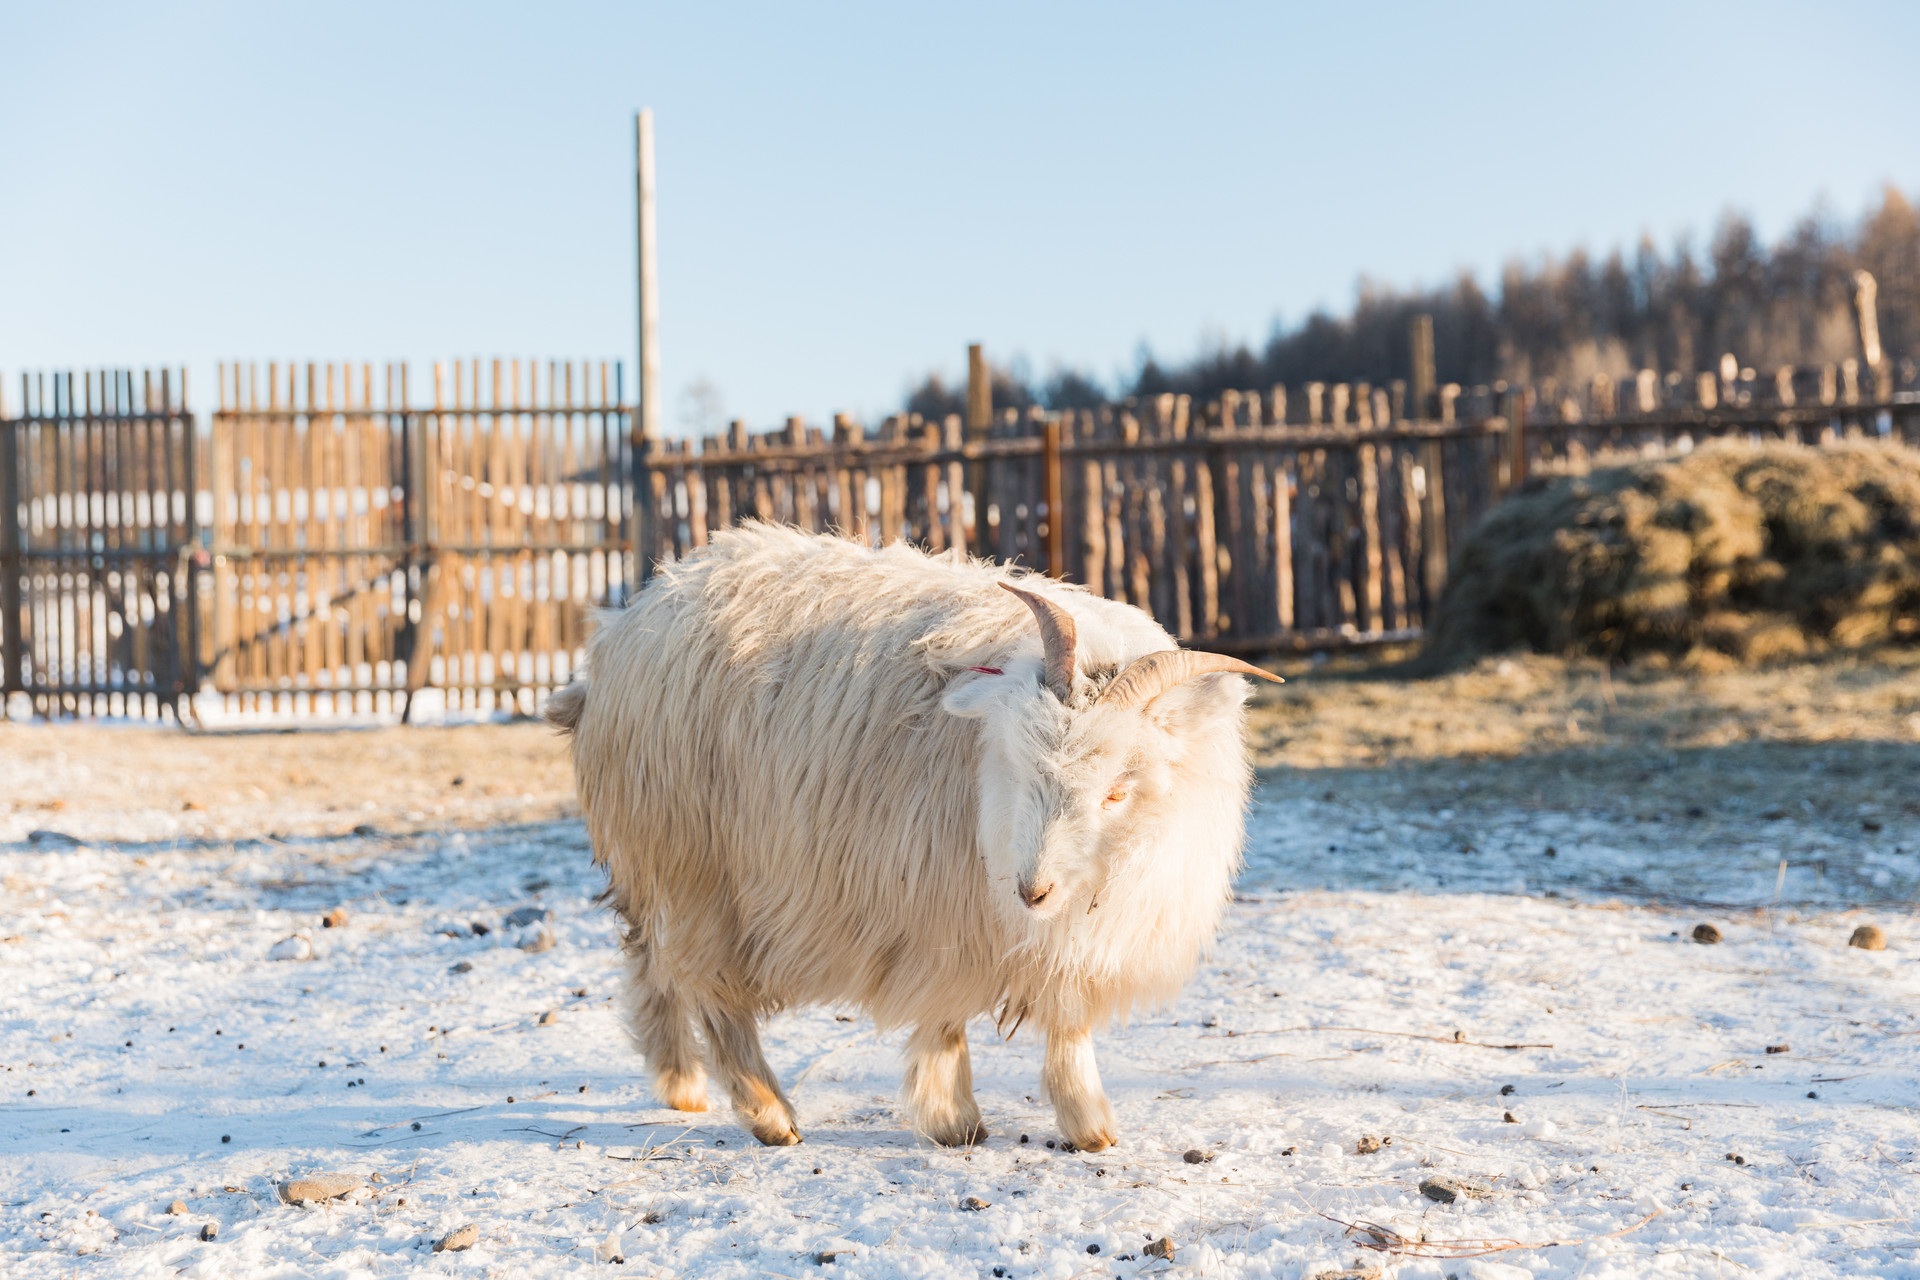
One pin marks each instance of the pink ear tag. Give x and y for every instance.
(988, 671)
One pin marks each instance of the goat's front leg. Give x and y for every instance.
(939, 1087)
(1073, 1083)
(733, 1047)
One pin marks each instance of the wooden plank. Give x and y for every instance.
(1433, 530)
(1206, 550)
(956, 532)
(1282, 497)
(1372, 584)
(1393, 534)
(1055, 499)
(1134, 481)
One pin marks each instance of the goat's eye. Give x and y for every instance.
(1114, 797)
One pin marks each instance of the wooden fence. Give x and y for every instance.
(97, 482)
(336, 539)
(1229, 525)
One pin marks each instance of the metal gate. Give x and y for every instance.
(366, 556)
(97, 518)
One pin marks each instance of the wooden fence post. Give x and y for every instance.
(1516, 436)
(979, 427)
(1866, 295)
(1051, 488)
(646, 415)
(1421, 385)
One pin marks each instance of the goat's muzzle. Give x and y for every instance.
(1033, 896)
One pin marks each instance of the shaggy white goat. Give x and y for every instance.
(817, 773)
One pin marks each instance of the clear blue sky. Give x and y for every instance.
(849, 194)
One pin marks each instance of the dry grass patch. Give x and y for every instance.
(1733, 554)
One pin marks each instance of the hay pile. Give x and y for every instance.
(1733, 554)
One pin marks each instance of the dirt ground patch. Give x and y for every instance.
(1837, 733)
(126, 782)
(1838, 737)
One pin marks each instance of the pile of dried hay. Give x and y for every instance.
(1733, 554)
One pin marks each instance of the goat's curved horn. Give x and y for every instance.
(1057, 633)
(1146, 678)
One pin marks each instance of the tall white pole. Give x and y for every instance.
(646, 417)
(649, 398)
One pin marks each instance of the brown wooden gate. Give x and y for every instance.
(367, 556)
(97, 518)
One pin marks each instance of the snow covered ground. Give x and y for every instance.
(1369, 986)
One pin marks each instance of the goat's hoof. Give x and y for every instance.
(779, 1134)
(1092, 1141)
(684, 1094)
(961, 1135)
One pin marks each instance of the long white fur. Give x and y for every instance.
(802, 794)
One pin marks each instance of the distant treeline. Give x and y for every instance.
(1566, 319)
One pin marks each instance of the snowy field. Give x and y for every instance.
(1369, 989)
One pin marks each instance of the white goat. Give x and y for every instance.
(817, 773)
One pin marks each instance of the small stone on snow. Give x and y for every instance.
(1868, 937)
(461, 1237)
(521, 917)
(318, 1187)
(1161, 1248)
(334, 919)
(177, 1208)
(974, 1204)
(1447, 1190)
(294, 948)
(1706, 934)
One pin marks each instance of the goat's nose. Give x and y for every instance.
(1034, 897)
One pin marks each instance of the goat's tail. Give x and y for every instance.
(564, 709)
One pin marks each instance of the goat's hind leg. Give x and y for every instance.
(939, 1087)
(733, 1050)
(661, 1024)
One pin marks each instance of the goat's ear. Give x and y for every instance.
(973, 691)
(1195, 705)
